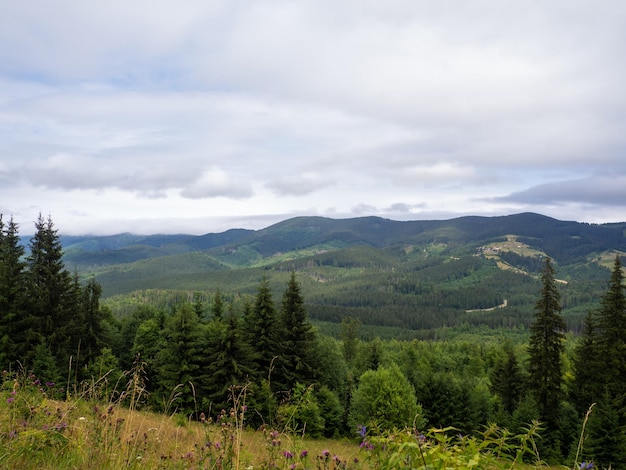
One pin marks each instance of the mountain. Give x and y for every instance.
(407, 274)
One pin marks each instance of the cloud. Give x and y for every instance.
(601, 190)
(215, 182)
(300, 185)
(274, 106)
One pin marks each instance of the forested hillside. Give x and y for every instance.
(418, 275)
(218, 332)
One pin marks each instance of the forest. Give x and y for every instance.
(194, 352)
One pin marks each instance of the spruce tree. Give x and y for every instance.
(547, 333)
(296, 363)
(263, 331)
(93, 335)
(181, 363)
(507, 381)
(217, 307)
(12, 295)
(230, 360)
(611, 334)
(587, 367)
(52, 295)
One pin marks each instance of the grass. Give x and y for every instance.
(41, 430)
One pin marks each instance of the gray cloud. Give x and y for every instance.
(274, 106)
(300, 185)
(595, 190)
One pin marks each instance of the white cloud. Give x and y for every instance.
(405, 107)
(215, 182)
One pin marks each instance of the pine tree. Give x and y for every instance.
(611, 333)
(93, 334)
(605, 443)
(12, 294)
(230, 358)
(507, 381)
(296, 362)
(547, 333)
(181, 363)
(217, 307)
(587, 367)
(263, 331)
(52, 295)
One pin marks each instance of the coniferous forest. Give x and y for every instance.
(194, 353)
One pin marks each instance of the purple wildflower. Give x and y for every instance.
(325, 453)
(586, 466)
(288, 455)
(362, 430)
(304, 454)
(10, 400)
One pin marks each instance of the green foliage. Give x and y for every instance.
(545, 348)
(231, 360)
(301, 413)
(181, 363)
(296, 361)
(605, 439)
(384, 399)
(263, 330)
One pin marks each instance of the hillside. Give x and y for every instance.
(419, 275)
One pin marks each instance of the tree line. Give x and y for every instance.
(197, 356)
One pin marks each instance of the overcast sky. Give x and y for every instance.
(197, 116)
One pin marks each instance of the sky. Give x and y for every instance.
(196, 116)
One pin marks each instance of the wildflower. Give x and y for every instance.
(586, 466)
(362, 430)
(366, 445)
(49, 384)
(325, 453)
(10, 400)
(288, 455)
(304, 454)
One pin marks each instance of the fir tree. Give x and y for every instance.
(547, 333)
(181, 363)
(93, 333)
(507, 381)
(296, 363)
(605, 443)
(217, 307)
(611, 334)
(587, 367)
(263, 330)
(231, 360)
(12, 294)
(52, 295)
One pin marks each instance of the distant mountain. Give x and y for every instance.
(410, 274)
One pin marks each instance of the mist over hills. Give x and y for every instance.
(408, 274)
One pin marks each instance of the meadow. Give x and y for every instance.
(45, 427)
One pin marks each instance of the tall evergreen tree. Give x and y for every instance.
(52, 295)
(12, 294)
(217, 306)
(93, 334)
(263, 330)
(547, 333)
(587, 367)
(296, 363)
(181, 363)
(231, 360)
(507, 381)
(611, 334)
